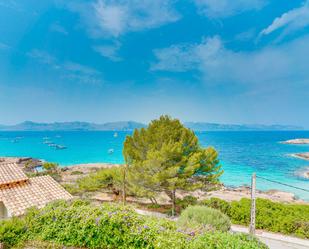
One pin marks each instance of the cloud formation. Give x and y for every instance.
(278, 65)
(56, 27)
(226, 8)
(68, 70)
(117, 17)
(290, 21)
(4, 46)
(109, 51)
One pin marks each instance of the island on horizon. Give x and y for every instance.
(131, 125)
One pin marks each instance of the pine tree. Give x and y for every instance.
(166, 156)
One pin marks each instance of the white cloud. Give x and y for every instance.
(42, 56)
(109, 51)
(56, 27)
(273, 65)
(178, 58)
(68, 70)
(4, 46)
(226, 8)
(290, 21)
(116, 17)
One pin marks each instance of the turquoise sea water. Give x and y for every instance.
(241, 153)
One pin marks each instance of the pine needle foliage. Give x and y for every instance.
(166, 156)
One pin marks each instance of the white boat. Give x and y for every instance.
(60, 147)
(110, 151)
(116, 134)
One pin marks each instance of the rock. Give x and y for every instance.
(297, 141)
(304, 155)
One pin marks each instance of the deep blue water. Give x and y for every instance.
(241, 153)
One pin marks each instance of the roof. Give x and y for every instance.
(37, 192)
(10, 173)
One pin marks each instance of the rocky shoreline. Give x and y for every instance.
(71, 173)
(304, 155)
(297, 141)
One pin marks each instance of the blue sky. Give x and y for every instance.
(240, 61)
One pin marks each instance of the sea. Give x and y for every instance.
(241, 153)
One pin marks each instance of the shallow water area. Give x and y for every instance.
(241, 153)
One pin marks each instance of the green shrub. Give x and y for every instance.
(104, 178)
(186, 201)
(76, 172)
(292, 219)
(78, 224)
(71, 188)
(12, 231)
(226, 240)
(217, 203)
(204, 218)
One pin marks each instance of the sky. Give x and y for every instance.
(240, 61)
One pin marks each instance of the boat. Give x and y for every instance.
(52, 145)
(116, 134)
(60, 147)
(110, 151)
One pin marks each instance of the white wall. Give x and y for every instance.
(3, 211)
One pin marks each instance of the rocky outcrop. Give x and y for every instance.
(297, 141)
(304, 155)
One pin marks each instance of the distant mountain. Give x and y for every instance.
(201, 126)
(73, 126)
(130, 125)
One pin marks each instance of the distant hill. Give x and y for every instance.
(131, 125)
(201, 126)
(73, 126)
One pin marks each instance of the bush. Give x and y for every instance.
(186, 201)
(226, 240)
(104, 178)
(79, 224)
(12, 231)
(109, 179)
(217, 203)
(292, 219)
(76, 172)
(204, 218)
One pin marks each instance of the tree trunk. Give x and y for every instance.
(124, 194)
(173, 203)
(153, 200)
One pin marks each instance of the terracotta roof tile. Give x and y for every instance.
(38, 191)
(11, 173)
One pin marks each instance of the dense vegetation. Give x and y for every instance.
(108, 179)
(290, 219)
(80, 224)
(49, 168)
(167, 157)
(204, 218)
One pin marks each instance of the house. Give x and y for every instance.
(19, 192)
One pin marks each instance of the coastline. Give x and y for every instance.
(304, 156)
(226, 193)
(297, 141)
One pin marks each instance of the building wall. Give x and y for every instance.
(3, 211)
